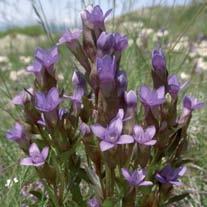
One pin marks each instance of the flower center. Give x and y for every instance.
(37, 158)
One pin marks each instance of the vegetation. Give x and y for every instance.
(180, 22)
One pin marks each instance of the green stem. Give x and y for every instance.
(109, 181)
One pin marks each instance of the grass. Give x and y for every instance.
(179, 21)
(34, 30)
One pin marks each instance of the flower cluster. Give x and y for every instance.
(125, 150)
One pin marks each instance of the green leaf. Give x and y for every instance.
(177, 198)
(108, 203)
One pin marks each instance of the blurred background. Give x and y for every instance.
(178, 26)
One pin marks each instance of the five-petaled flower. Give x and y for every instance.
(16, 133)
(121, 42)
(36, 157)
(152, 98)
(191, 103)
(70, 37)
(47, 102)
(93, 17)
(47, 57)
(144, 137)
(76, 98)
(112, 135)
(135, 178)
(23, 97)
(169, 175)
(79, 85)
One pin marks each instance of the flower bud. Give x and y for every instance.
(106, 72)
(70, 38)
(105, 42)
(131, 98)
(84, 129)
(158, 60)
(93, 17)
(173, 86)
(78, 80)
(122, 82)
(121, 42)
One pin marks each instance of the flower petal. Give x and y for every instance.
(26, 161)
(116, 125)
(98, 130)
(182, 171)
(33, 149)
(177, 183)
(45, 152)
(106, 146)
(125, 139)
(138, 130)
(151, 130)
(146, 183)
(144, 93)
(126, 174)
(107, 13)
(160, 92)
(151, 142)
(38, 164)
(160, 178)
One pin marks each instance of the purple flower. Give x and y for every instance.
(47, 102)
(131, 98)
(36, 157)
(79, 85)
(17, 133)
(158, 60)
(135, 178)
(47, 57)
(84, 129)
(35, 68)
(173, 85)
(150, 97)
(121, 42)
(105, 42)
(122, 82)
(23, 97)
(106, 68)
(111, 136)
(169, 175)
(192, 103)
(94, 17)
(76, 98)
(93, 202)
(189, 104)
(70, 37)
(144, 137)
